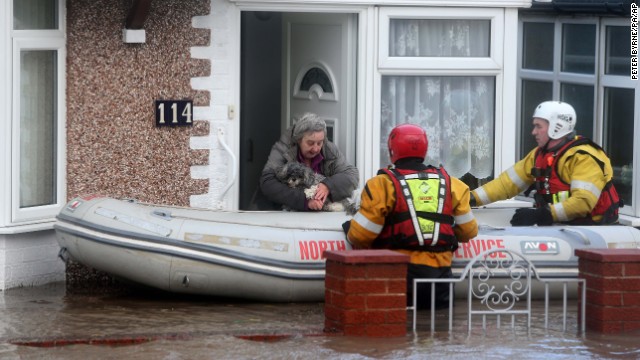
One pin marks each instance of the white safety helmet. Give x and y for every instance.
(560, 115)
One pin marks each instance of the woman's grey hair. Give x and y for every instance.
(308, 123)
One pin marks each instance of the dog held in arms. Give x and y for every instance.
(298, 175)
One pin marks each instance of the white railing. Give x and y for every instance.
(497, 281)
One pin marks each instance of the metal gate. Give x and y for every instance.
(498, 280)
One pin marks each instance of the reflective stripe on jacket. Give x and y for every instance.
(378, 199)
(422, 218)
(585, 168)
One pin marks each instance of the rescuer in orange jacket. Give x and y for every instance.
(417, 210)
(572, 176)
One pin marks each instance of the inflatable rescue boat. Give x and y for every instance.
(271, 255)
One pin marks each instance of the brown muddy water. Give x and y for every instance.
(48, 323)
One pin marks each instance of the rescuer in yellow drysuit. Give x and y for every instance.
(570, 174)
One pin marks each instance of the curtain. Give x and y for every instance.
(38, 106)
(37, 127)
(35, 14)
(457, 112)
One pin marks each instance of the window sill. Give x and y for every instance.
(507, 204)
(629, 220)
(26, 228)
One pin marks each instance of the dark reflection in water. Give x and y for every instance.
(45, 322)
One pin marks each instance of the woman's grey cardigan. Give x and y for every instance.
(341, 177)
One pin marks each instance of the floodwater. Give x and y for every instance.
(47, 323)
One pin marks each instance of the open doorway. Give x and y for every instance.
(292, 63)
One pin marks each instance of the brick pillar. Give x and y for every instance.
(613, 289)
(366, 292)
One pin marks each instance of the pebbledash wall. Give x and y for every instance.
(113, 145)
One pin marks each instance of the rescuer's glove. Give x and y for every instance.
(532, 216)
(345, 226)
(472, 201)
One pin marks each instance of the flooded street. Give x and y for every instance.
(47, 323)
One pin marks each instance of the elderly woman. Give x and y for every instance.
(305, 142)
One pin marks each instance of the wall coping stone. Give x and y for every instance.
(609, 255)
(367, 256)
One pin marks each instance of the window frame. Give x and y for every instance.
(5, 109)
(492, 62)
(599, 81)
(446, 66)
(622, 82)
(50, 39)
(555, 77)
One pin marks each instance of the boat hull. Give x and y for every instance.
(274, 256)
(203, 274)
(238, 254)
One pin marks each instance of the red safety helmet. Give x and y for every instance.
(407, 140)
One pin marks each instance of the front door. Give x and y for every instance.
(319, 73)
(292, 63)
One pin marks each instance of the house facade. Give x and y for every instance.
(178, 102)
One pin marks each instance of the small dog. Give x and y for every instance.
(297, 175)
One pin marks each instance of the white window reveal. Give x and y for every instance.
(38, 121)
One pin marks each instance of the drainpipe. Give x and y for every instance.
(133, 31)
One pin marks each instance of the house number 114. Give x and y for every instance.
(174, 112)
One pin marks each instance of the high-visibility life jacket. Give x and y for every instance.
(553, 189)
(422, 218)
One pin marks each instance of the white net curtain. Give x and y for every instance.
(457, 112)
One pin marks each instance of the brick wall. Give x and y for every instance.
(613, 289)
(365, 293)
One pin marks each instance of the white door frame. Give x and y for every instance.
(365, 64)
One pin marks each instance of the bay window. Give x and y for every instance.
(586, 63)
